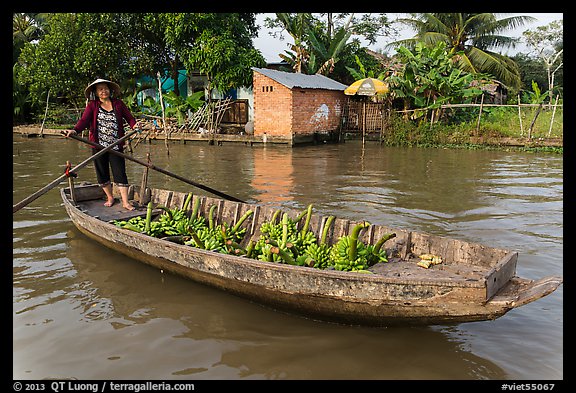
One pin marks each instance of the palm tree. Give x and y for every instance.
(27, 27)
(326, 51)
(476, 35)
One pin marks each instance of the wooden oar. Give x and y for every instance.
(57, 181)
(164, 171)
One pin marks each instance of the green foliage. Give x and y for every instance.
(362, 71)
(178, 106)
(535, 96)
(49, 64)
(325, 52)
(218, 45)
(175, 106)
(330, 47)
(79, 47)
(475, 35)
(430, 78)
(20, 100)
(495, 122)
(532, 69)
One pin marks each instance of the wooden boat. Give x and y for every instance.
(474, 282)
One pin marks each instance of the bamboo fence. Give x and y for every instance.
(369, 117)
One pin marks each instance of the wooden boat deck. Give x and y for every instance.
(96, 208)
(409, 270)
(396, 267)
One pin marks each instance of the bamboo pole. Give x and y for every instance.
(479, 115)
(553, 114)
(448, 106)
(163, 114)
(45, 114)
(520, 117)
(432, 117)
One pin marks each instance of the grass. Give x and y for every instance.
(462, 125)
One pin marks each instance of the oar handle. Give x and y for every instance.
(57, 181)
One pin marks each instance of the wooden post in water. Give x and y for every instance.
(363, 120)
(144, 184)
(70, 181)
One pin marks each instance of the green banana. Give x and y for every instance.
(349, 254)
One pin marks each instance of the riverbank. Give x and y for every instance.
(235, 135)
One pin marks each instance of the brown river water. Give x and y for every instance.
(83, 312)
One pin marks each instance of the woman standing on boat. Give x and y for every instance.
(104, 116)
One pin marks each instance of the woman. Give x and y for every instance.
(104, 116)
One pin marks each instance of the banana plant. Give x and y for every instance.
(535, 96)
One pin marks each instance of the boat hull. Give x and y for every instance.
(329, 295)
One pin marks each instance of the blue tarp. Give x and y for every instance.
(167, 82)
(167, 85)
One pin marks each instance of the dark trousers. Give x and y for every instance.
(108, 161)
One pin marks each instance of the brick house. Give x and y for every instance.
(296, 108)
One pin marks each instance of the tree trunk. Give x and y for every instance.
(175, 76)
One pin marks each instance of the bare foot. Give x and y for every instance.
(109, 203)
(129, 207)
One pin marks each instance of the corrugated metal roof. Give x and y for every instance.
(291, 80)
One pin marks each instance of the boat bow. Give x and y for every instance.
(519, 291)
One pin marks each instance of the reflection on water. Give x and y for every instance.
(273, 176)
(82, 311)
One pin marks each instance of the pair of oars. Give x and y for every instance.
(103, 150)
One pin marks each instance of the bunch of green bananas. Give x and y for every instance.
(280, 240)
(274, 230)
(221, 238)
(318, 252)
(376, 253)
(237, 232)
(319, 255)
(349, 254)
(207, 239)
(135, 224)
(174, 221)
(141, 225)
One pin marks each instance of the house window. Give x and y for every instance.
(266, 89)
